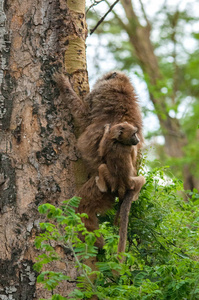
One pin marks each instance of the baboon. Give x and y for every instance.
(115, 149)
(117, 175)
(112, 100)
(117, 172)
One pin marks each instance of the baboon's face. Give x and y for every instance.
(134, 139)
(125, 133)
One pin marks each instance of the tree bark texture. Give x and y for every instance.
(38, 156)
(139, 37)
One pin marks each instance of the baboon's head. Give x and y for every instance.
(125, 133)
(116, 81)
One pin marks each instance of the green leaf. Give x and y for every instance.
(58, 297)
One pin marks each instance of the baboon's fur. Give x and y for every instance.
(112, 100)
(94, 202)
(116, 148)
(117, 172)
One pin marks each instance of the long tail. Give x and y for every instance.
(124, 219)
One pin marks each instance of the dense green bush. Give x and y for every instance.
(161, 258)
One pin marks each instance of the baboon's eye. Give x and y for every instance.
(121, 130)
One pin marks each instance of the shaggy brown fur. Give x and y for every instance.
(116, 149)
(112, 100)
(94, 202)
(117, 172)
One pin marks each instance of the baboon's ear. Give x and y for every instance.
(117, 131)
(113, 75)
(120, 131)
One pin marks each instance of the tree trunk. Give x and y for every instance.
(139, 37)
(38, 157)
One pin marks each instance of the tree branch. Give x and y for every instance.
(122, 24)
(144, 14)
(102, 19)
(94, 4)
(130, 13)
(174, 23)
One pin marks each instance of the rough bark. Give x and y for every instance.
(38, 155)
(139, 37)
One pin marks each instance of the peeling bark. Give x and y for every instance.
(38, 152)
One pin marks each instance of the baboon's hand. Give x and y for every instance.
(62, 81)
(107, 128)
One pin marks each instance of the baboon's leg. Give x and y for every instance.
(137, 184)
(91, 224)
(105, 178)
(100, 180)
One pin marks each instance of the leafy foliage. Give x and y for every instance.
(161, 258)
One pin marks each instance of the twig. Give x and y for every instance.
(94, 4)
(174, 24)
(122, 24)
(145, 16)
(80, 266)
(102, 19)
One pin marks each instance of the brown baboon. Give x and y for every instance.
(112, 100)
(116, 148)
(117, 172)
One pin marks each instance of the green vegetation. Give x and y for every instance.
(162, 254)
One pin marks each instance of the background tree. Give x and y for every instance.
(158, 46)
(38, 158)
